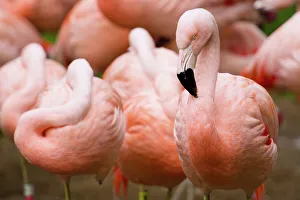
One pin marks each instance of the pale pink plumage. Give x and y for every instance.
(226, 137)
(277, 62)
(15, 33)
(21, 81)
(86, 33)
(46, 15)
(145, 77)
(77, 126)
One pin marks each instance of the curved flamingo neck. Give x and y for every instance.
(143, 45)
(79, 78)
(207, 65)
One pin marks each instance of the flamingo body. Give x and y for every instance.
(15, 33)
(86, 33)
(44, 14)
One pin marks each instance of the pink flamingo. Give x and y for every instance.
(44, 14)
(226, 126)
(15, 33)
(21, 81)
(278, 67)
(86, 33)
(268, 5)
(160, 17)
(144, 77)
(239, 43)
(77, 127)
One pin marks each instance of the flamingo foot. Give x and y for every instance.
(67, 189)
(119, 179)
(143, 194)
(28, 189)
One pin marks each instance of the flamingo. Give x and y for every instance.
(144, 77)
(87, 33)
(160, 17)
(278, 67)
(21, 81)
(226, 126)
(77, 127)
(44, 14)
(239, 43)
(15, 33)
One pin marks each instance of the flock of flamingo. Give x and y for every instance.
(183, 94)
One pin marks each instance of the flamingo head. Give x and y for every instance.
(191, 39)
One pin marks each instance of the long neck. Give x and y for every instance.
(144, 47)
(207, 66)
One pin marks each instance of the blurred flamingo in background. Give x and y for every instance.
(274, 4)
(21, 81)
(144, 77)
(239, 43)
(15, 33)
(44, 14)
(277, 62)
(77, 127)
(160, 18)
(86, 33)
(226, 126)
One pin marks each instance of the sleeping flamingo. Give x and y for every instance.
(278, 67)
(77, 127)
(144, 77)
(226, 126)
(15, 33)
(86, 33)
(44, 14)
(21, 81)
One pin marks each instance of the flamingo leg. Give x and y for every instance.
(169, 194)
(143, 194)
(28, 188)
(190, 191)
(67, 189)
(206, 197)
(179, 190)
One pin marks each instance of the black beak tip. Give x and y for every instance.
(100, 182)
(187, 79)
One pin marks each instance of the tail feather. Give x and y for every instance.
(120, 179)
(259, 192)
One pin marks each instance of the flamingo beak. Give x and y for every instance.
(185, 70)
(268, 14)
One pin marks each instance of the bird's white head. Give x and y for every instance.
(194, 29)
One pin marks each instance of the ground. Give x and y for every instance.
(282, 184)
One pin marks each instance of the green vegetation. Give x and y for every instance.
(282, 16)
(50, 36)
